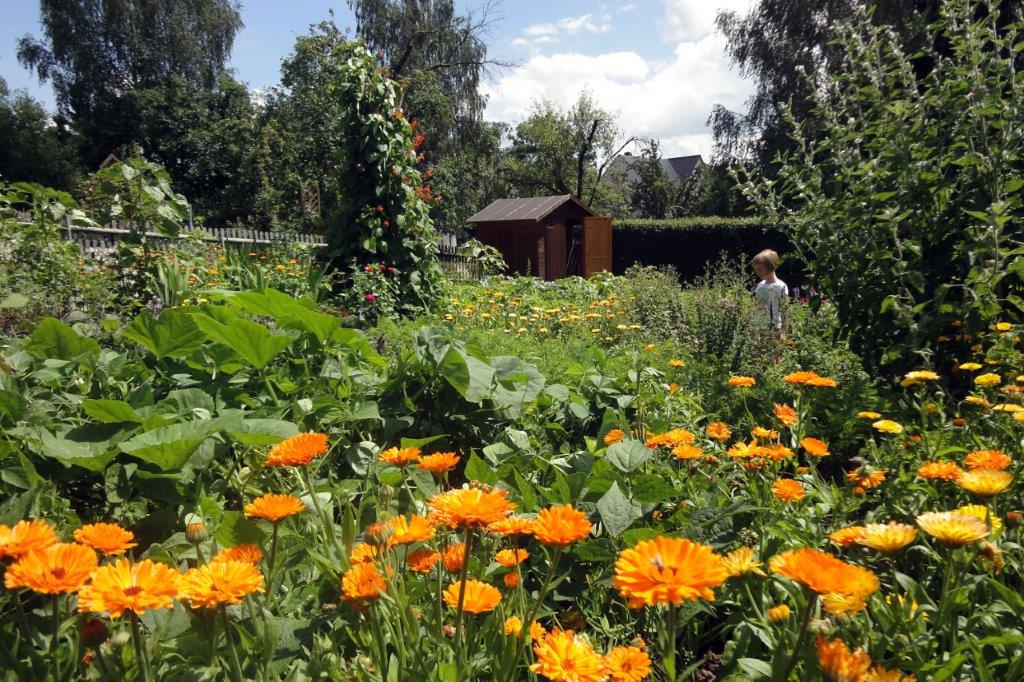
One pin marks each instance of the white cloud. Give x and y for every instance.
(549, 32)
(668, 100)
(694, 19)
(628, 7)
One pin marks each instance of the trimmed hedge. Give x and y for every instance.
(690, 244)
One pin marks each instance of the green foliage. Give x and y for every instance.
(32, 148)
(383, 211)
(137, 192)
(651, 193)
(690, 244)
(904, 199)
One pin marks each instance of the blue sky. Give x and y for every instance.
(658, 63)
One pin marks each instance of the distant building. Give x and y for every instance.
(678, 169)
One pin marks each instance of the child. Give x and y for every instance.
(770, 290)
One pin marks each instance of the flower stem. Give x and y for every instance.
(236, 668)
(525, 634)
(332, 537)
(462, 593)
(54, 661)
(800, 635)
(273, 552)
(669, 652)
(140, 650)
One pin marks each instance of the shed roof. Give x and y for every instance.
(528, 208)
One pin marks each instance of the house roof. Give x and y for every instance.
(527, 208)
(677, 169)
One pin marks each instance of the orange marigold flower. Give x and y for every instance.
(762, 433)
(985, 483)
(274, 507)
(823, 573)
(470, 507)
(479, 597)
(439, 462)
(987, 459)
(865, 478)
(627, 664)
(815, 447)
(422, 560)
(684, 452)
(843, 604)
(362, 582)
(511, 557)
(778, 613)
(799, 377)
(614, 436)
(741, 450)
(844, 537)
(513, 626)
(223, 582)
(105, 538)
(513, 525)
(407, 530)
(250, 554)
(670, 439)
(400, 457)
(668, 571)
(952, 529)
(741, 382)
(940, 469)
(887, 538)
(741, 562)
(454, 556)
(839, 664)
(788, 490)
(126, 586)
(57, 569)
(24, 537)
(561, 525)
(784, 414)
(362, 551)
(299, 450)
(822, 382)
(563, 657)
(719, 431)
(879, 673)
(511, 580)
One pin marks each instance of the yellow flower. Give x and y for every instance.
(918, 376)
(970, 366)
(741, 562)
(981, 511)
(477, 596)
(839, 664)
(778, 613)
(887, 426)
(223, 582)
(564, 657)
(985, 483)
(674, 362)
(887, 538)
(843, 605)
(741, 382)
(952, 529)
(867, 414)
(986, 380)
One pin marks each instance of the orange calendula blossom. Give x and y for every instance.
(273, 507)
(887, 538)
(250, 554)
(221, 583)
(362, 551)
(513, 525)
(422, 560)
(454, 557)
(668, 571)
(400, 457)
(479, 597)
(845, 537)
(788, 490)
(865, 477)
(511, 557)
(952, 529)
(439, 462)
(800, 377)
(105, 538)
(468, 507)
(362, 582)
(778, 613)
(564, 657)
(58, 569)
(985, 483)
(742, 561)
(627, 664)
(839, 664)
(670, 439)
(822, 382)
(784, 414)
(823, 573)
(24, 537)
(126, 586)
(561, 526)
(614, 436)
(299, 450)
(407, 530)
(719, 431)
(741, 382)
(939, 469)
(685, 452)
(814, 446)
(987, 459)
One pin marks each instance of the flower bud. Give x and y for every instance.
(196, 532)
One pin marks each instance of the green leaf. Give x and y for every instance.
(73, 453)
(756, 668)
(14, 301)
(651, 489)
(169, 447)
(110, 411)
(52, 339)
(250, 340)
(616, 511)
(11, 405)
(635, 535)
(235, 530)
(478, 470)
(628, 455)
(261, 432)
(172, 335)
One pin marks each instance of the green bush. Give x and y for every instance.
(690, 244)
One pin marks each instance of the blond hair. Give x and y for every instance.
(768, 259)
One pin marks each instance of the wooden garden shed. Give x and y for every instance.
(547, 237)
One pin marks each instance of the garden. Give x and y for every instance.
(289, 463)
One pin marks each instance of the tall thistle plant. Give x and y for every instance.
(904, 193)
(382, 215)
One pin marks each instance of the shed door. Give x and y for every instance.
(597, 245)
(554, 256)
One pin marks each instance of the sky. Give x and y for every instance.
(659, 64)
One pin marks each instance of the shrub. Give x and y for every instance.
(690, 244)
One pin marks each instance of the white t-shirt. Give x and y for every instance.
(771, 295)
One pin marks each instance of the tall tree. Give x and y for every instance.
(34, 148)
(95, 51)
(651, 193)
